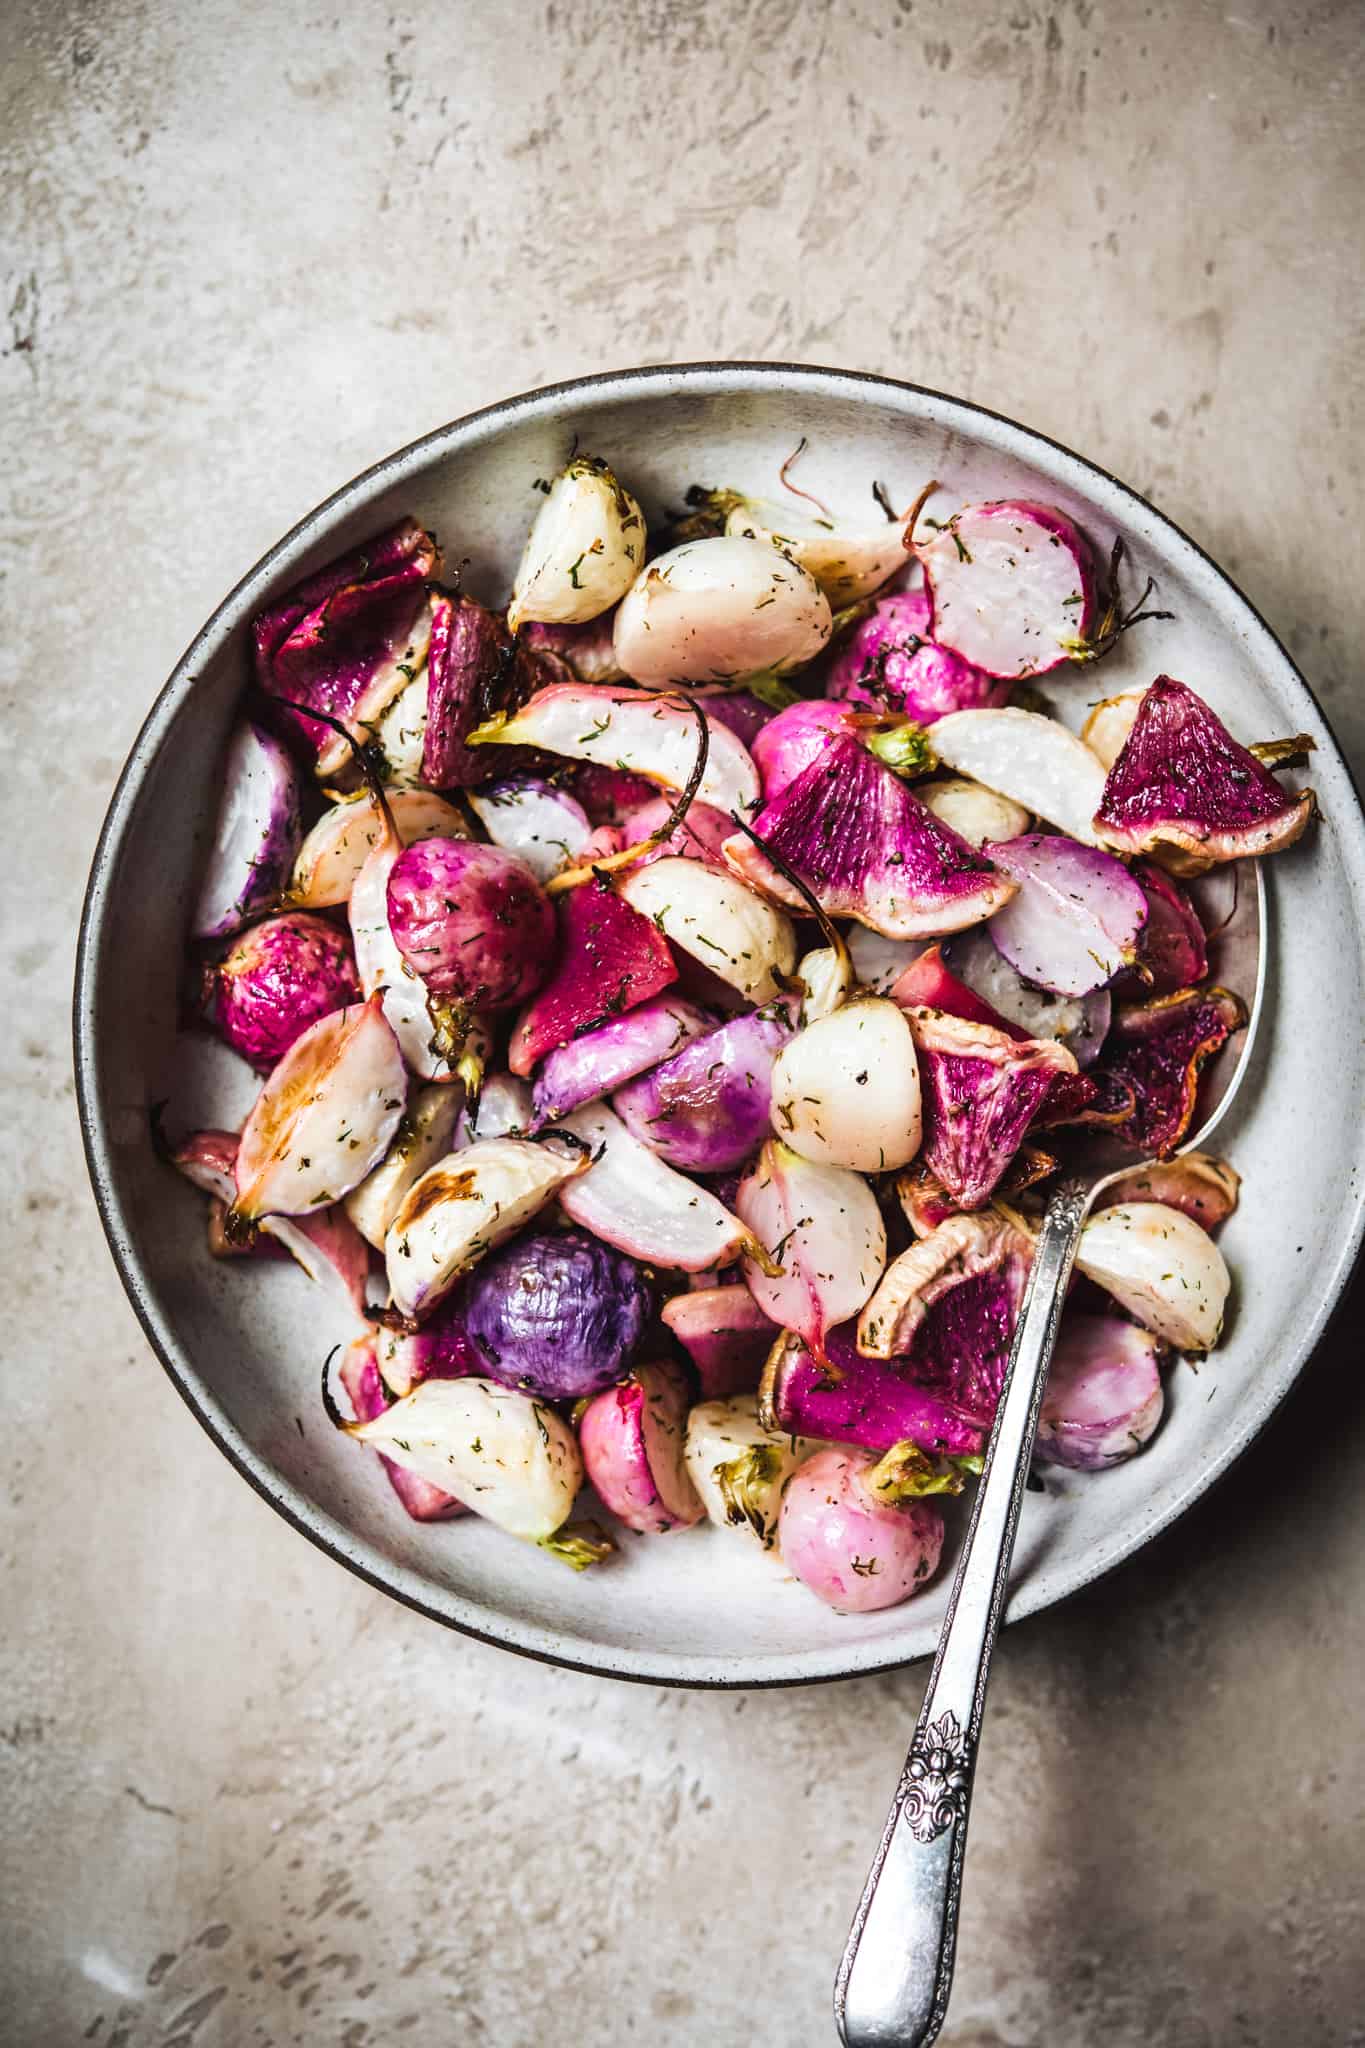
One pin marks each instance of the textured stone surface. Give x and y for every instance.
(249, 248)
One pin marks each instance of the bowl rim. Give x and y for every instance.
(345, 1545)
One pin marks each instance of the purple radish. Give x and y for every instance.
(555, 1313)
(369, 1397)
(725, 1334)
(1012, 586)
(856, 1400)
(981, 1090)
(464, 1205)
(472, 674)
(1156, 1050)
(1182, 781)
(590, 1067)
(868, 849)
(1173, 950)
(851, 1549)
(706, 1109)
(471, 921)
(890, 662)
(1077, 918)
(280, 977)
(609, 959)
(633, 1438)
(797, 736)
(743, 713)
(945, 1311)
(255, 837)
(1103, 1399)
(349, 638)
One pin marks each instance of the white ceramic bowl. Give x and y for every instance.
(244, 1347)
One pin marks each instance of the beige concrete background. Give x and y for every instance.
(247, 249)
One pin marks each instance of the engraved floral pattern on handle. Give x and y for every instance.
(936, 1778)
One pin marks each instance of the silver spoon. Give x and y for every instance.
(897, 1970)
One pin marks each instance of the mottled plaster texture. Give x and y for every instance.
(247, 249)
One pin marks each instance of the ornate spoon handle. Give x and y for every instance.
(893, 1984)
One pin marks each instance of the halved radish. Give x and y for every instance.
(845, 1090)
(1032, 760)
(326, 1115)
(716, 608)
(653, 736)
(822, 1226)
(631, 1199)
(338, 846)
(1013, 586)
(425, 1135)
(584, 550)
(633, 1437)
(848, 559)
(1077, 918)
(460, 1208)
(718, 920)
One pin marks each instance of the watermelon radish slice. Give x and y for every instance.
(610, 959)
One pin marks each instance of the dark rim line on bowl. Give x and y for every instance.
(311, 1521)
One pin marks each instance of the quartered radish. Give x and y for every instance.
(739, 1467)
(845, 1090)
(324, 1244)
(584, 550)
(401, 733)
(385, 973)
(843, 1397)
(511, 1459)
(608, 960)
(631, 1199)
(1109, 724)
(1162, 1267)
(717, 608)
(325, 1116)
(1013, 586)
(632, 1438)
(460, 1208)
(369, 1397)
(821, 1224)
(255, 836)
(1032, 760)
(331, 857)
(880, 962)
(591, 1066)
(959, 1250)
(653, 736)
(425, 1135)
(1077, 918)
(542, 825)
(706, 1108)
(709, 914)
(725, 1334)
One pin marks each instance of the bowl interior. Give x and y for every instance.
(246, 1345)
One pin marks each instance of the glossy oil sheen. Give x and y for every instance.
(245, 1350)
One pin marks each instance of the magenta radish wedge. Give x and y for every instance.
(633, 1438)
(981, 1090)
(848, 1398)
(590, 1067)
(609, 960)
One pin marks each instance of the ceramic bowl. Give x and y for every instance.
(244, 1346)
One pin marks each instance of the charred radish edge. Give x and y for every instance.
(1113, 623)
(611, 863)
(829, 931)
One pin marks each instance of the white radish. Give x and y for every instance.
(975, 813)
(720, 921)
(425, 1135)
(584, 550)
(821, 1224)
(649, 735)
(513, 1460)
(324, 1118)
(848, 561)
(1162, 1267)
(715, 609)
(460, 1208)
(401, 734)
(845, 1090)
(1012, 587)
(338, 846)
(1032, 760)
(1109, 724)
(828, 979)
(629, 1198)
(739, 1468)
(545, 826)
(505, 1110)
